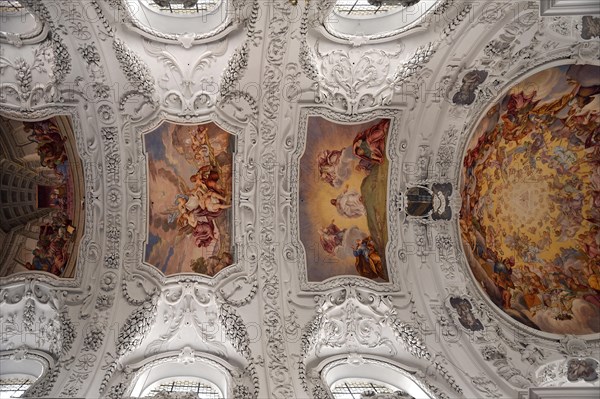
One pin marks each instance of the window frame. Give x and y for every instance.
(383, 27)
(193, 379)
(35, 34)
(373, 368)
(186, 38)
(181, 364)
(12, 366)
(376, 385)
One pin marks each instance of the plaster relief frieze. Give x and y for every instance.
(186, 90)
(276, 361)
(38, 316)
(184, 311)
(360, 79)
(61, 58)
(185, 316)
(486, 386)
(131, 335)
(237, 334)
(229, 88)
(138, 75)
(138, 288)
(447, 255)
(497, 355)
(347, 77)
(105, 30)
(337, 325)
(81, 368)
(354, 80)
(24, 89)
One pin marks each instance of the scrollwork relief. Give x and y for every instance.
(192, 89)
(337, 325)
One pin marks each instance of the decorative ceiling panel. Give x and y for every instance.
(342, 171)
(190, 214)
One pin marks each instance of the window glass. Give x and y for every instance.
(360, 7)
(183, 7)
(204, 389)
(14, 387)
(376, 19)
(354, 389)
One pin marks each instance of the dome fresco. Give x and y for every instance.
(530, 217)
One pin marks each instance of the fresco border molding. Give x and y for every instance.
(394, 151)
(137, 172)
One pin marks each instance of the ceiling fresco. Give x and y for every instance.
(530, 216)
(189, 187)
(343, 194)
(42, 181)
(276, 205)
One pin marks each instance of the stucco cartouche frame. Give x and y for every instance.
(394, 150)
(138, 172)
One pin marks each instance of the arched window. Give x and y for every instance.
(14, 386)
(183, 7)
(18, 26)
(358, 377)
(359, 388)
(375, 20)
(186, 22)
(182, 372)
(204, 389)
(20, 369)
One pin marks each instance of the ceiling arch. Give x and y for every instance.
(256, 79)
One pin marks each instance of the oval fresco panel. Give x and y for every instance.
(531, 201)
(343, 196)
(41, 197)
(189, 189)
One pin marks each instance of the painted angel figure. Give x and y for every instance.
(197, 207)
(331, 237)
(333, 167)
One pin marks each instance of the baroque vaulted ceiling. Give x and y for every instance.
(280, 198)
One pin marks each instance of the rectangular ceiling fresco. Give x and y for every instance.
(41, 196)
(189, 190)
(343, 196)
